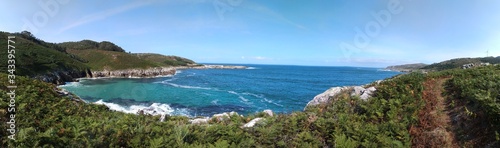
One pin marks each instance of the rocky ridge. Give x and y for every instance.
(363, 92)
(226, 116)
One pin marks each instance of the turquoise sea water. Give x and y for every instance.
(191, 92)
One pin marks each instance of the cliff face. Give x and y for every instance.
(61, 76)
(151, 72)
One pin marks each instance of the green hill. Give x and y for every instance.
(165, 60)
(457, 63)
(37, 57)
(89, 44)
(59, 63)
(112, 60)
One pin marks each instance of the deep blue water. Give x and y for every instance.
(191, 92)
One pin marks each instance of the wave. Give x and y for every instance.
(252, 68)
(239, 96)
(153, 109)
(272, 102)
(167, 82)
(215, 102)
(263, 99)
(384, 70)
(71, 84)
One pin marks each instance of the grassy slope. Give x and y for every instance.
(89, 44)
(164, 60)
(457, 63)
(387, 120)
(112, 60)
(33, 58)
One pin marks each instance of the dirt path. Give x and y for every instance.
(434, 128)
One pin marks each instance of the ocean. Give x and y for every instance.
(204, 92)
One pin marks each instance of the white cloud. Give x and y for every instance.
(269, 12)
(261, 58)
(104, 14)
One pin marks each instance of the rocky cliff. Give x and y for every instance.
(127, 73)
(157, 71)
(61, 76)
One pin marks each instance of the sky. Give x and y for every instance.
(363, 33)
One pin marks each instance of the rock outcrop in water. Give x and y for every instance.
(332, 93)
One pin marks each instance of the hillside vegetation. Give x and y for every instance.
(34, 56)
(89, 44)
(406, 67)
(112, 60)
(457, 63)
(164, 60)
(397, 116)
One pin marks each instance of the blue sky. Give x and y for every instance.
(294, 32)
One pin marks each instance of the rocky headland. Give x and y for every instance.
(407, 67)
(128, 73)
(62, 76)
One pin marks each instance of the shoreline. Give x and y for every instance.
(154, 72)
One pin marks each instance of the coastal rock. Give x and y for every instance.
(62, 76)
(233, 113)
(199, 120)
(252, 123)
(151, 72)
(332, 93)
(65, 93)
(367, 93)
(268, 112)
(221, 117)
(325, 96)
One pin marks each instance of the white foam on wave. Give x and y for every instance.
(252, 68)
(167, 82)
(239, 96)
(263, 99)
(71, 84)
(153, 109)
(215, 102)
(255, 95)
(272, 102)
(384, 70)
(187, 86)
